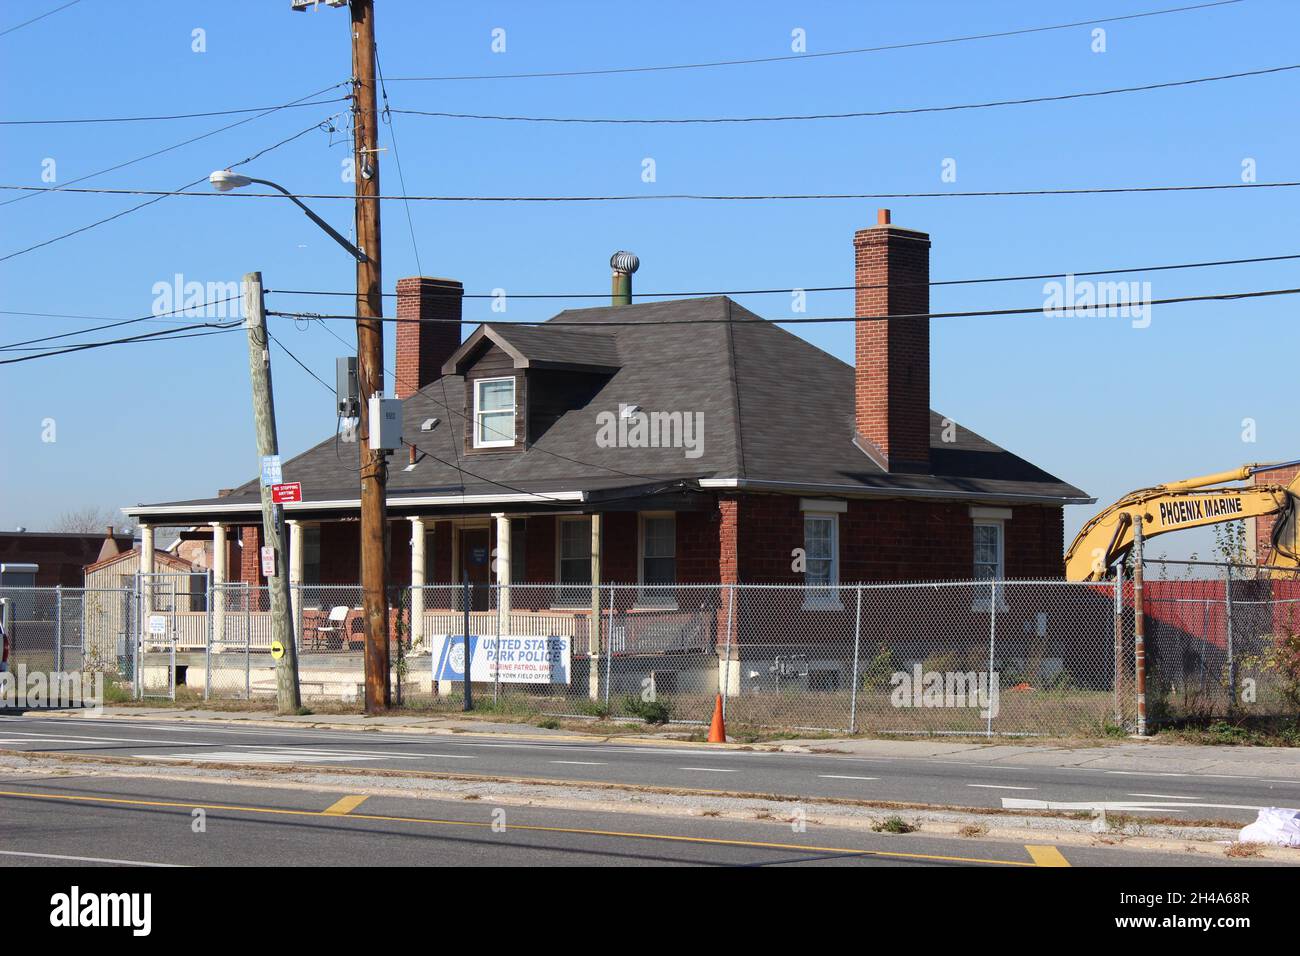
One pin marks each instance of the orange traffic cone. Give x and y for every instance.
(718, 728)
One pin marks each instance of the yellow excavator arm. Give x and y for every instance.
(1192, 503)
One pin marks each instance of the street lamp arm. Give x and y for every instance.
(333, 233)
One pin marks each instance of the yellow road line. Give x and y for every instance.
(583, 831)
(345, 805)
(1047, 856)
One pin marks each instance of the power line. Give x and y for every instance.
(48, 13)
(184, 142)
(158, 197)
(433, 293)
(660, 197)
(151, 317)
(299, 361)
(859, 114)
(296, 104)
(162, 335)
(806, 320)
(387, 117)
(810, 56)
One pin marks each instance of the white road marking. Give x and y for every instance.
(1165, 796)
(1015, 803)
(581, 763)
(994, 786)
(843, 776)
(707, 769)
(1145, 773)
(84, 859)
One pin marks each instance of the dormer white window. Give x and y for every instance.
(494, 412)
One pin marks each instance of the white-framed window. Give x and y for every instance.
(573, 561)
(989, 560)
(494, 412)
(658, 558)
(821, 545)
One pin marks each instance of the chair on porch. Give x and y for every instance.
(329, 633)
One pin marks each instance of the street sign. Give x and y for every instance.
(277, 650)
(286, 492)
(268, 562)
(271, 473)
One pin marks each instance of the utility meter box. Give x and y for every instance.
(385, 423)
(345, 387)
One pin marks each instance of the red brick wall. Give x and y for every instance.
(702, 555)
(895, 540)
(750, 539)
(892, 358)
(250, 556)
(423, 346)
(1264, 524)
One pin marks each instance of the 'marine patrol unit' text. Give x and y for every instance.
(1197, 509)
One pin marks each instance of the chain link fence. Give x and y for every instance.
(973, 657)
(1221, 640)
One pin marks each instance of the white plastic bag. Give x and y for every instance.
(1276, 826)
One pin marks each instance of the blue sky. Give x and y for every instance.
(1098, 402)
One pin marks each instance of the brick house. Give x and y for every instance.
(669, 442)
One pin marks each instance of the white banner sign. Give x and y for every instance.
(523, 659)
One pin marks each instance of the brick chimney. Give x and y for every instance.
(423, 346)
(892, 357)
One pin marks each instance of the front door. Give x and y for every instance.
(476, 559)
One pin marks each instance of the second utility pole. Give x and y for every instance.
(370, 354)
(287, 694)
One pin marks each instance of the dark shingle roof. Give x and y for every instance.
(775, 409)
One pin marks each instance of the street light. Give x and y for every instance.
(223, 181)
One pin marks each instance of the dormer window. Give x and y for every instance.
(494, 412)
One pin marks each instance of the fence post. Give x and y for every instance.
(250, 593)
(1117, 679)
(58, 628)
(993, 627)
(207, 649)
(1232, 658)
(609, 644)
(857, 641)
(726, 649)
(502, 611)
(137, 639)
(1139, 629)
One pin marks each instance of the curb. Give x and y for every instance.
(431, 731)
(594, 796)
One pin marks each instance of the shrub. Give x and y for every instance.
(651, 711)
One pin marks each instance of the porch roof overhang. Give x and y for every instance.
(896, 489)
(673, 494)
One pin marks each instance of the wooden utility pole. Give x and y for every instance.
(370, 354)
(288, 696)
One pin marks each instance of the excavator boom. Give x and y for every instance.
(1191, 503)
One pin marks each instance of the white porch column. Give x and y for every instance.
(146, 564)
(418, 531)
(220, 575)
(593, 639)
(504, 574)
(295, 579)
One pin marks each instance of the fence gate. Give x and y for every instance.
(156, 601)
(69, 630)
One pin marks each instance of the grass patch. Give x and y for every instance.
(1236, 732)
(972, 830)
(895, 824)
(1243, 850)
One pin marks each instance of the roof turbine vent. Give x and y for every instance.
(625, 262)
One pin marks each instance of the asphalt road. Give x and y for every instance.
(930, 780)
(103, 821)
